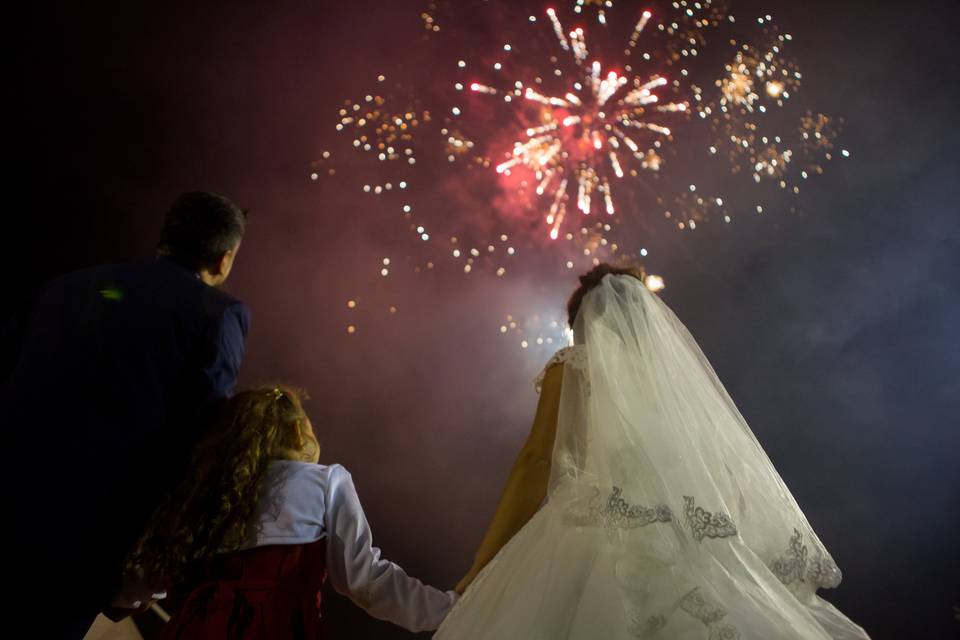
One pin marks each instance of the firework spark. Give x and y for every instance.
(608, 124)
(757, 82)
(600, 5)
(380, 130)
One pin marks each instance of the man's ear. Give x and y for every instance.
(223, 263)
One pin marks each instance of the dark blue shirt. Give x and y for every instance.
(119, 371)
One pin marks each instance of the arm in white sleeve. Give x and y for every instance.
(357, 571)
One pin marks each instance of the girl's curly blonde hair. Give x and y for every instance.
(212, 510)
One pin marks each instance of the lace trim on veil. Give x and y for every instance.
(698, 606)
(615, 513)
(795, 565)
(705, 524)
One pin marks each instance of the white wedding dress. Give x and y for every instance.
(664, 517)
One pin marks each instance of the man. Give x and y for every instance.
(118, 369)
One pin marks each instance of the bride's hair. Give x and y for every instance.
(212, 509)
(591, 279)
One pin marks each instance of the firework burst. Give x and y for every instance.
(608, 124)
(747, 120)
(675, 111)
(659, 128)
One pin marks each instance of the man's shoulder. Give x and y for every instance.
(148, 273)
(150, 285)
(154, 283)
(186, 289)
(79, 277)
(217, 302)
(166, 275)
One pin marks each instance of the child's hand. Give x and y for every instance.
(465, 582)
(116, 614)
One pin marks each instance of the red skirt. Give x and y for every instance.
(267, 592)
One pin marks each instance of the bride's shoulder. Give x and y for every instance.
(574, 355)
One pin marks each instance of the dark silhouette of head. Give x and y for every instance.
(202, 231)
(591, 279)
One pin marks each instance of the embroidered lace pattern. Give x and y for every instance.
(575, 356)
(705, 524)
(645, 627)
(615, 513)
(796, 565)
(710, 614)
(696, 605)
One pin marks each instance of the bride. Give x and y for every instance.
(641, 505)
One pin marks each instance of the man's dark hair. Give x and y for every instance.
(200, 227)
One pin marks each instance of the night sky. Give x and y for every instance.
(835, 331)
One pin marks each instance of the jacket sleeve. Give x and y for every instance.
(358, 571)
(228, 335)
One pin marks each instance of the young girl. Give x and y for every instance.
(258, 525)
